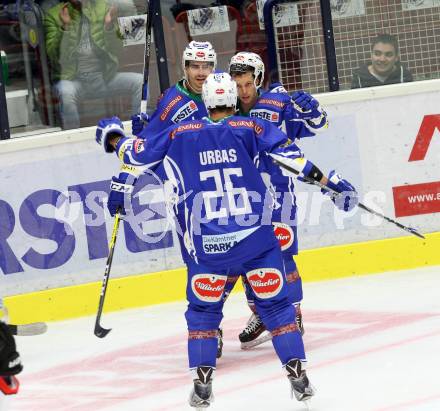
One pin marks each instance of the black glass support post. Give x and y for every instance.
(159, 42)
(329, 44)
(4, 121)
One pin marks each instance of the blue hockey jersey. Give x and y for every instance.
(225, 214)
(176, 104)
(275, 106)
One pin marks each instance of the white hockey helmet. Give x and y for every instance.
(199, 51)
(219, 90)
(246, 61)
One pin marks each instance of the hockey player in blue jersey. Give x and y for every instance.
(299, 116)
(211, 164)
(183, 101)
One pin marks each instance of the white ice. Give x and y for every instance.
(373, 344)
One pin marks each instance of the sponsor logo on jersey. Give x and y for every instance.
(126, 168)
(139, 146)
(170, 105)
(222, 243)
(241, 123)
(219, 248)
(265, 282)
(284, 234)
(271, 102)
(208, 287)
(268, 115)
(184, 112)
(185, 127)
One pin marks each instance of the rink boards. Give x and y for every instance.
(54, 229)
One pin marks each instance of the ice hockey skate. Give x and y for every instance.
(201, 395)
(252, 336)
(299, 383)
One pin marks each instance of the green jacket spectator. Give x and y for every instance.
(82, 42)
(62, 42)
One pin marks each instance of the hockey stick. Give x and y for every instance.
(22, 329)
(28, 329)
(100, 331)
(147, 54)
(335, 194)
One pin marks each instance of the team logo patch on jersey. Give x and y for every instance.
(139, 146)
(170, 105)
(284, 234)
(184, 112)
(268, 115)
(265, 282)
(208, 287)
(279, 89)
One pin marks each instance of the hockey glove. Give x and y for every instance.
(307, 108)
(10, 361)
(304, 102)
(119, 199)
(349, 197)
(138, 122)
(107, 127)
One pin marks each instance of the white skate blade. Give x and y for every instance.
(258, 341)
(28, 329)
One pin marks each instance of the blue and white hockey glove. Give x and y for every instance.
(119, 198)
(106, 128)
(303, 101)
(138, 122)
(307, 108)
(349, 197)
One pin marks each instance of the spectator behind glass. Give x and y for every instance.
(82, 44)
(384, 68)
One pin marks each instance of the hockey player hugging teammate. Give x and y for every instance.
(211, 165)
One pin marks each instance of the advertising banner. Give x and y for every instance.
(389, 149)
(54, 230)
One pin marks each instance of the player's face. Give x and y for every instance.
(383, 58)
(196, 74)
(247, 92)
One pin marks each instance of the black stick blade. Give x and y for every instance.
(415, 232)
(101, 332)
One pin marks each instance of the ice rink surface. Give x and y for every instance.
(373, 344)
